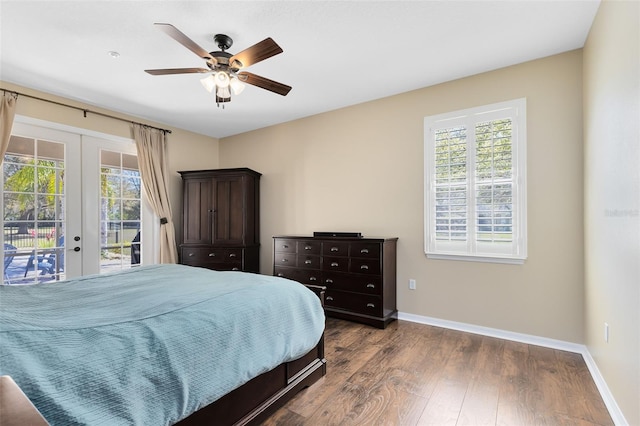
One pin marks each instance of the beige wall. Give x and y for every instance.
(361, 169)
(186, 150)
(612, 199)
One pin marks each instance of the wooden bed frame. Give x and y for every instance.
(256, 400)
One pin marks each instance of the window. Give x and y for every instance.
(475, 186)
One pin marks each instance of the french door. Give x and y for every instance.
(72, 205)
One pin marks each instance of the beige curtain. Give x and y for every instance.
(152, 160)
(7, 112)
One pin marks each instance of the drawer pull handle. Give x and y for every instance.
(329, 298)
(364, 251)
(313, 279)
(370, 305)
(280, 274)
(371, 285)
(307, 247)
(285, 260)
(232, 255)
(365, 267)
(235, 269)
(210, 255)
(284, 246)
(334, 264)
(191, 254)
(328, 281)
(334, 249)
(307, 262)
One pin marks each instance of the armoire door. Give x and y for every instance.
(229, 210)
(198, 214)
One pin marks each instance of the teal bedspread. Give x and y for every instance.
(150, 345)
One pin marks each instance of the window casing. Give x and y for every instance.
(475, 183)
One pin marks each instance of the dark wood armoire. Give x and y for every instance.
(221, 220)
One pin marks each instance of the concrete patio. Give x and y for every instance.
(15, 272)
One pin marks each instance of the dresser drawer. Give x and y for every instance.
(309, 247)
(335, 248)
(365, 266)
(284, 246)
(223, 266)
(301, 275)
(353, 302)
(284, 259)
(339, 264)
(200, 255)
(357, 284)
(308, 261)
(288, 273)
(365, 250)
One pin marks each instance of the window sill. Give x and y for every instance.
(482, 259)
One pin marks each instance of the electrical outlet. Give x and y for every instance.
(606, 332)
(412, 284)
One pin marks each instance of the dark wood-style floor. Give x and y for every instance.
(415, 374)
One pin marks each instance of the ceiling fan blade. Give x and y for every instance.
(256, 53)
(181, 38)
(264, 83)
(166, 71)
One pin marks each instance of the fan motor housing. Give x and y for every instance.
(222, 61)
(223, 41)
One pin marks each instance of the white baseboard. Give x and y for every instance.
(607, 397)
(494, 332)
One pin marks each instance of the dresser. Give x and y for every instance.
(359, 273)
(220, 219)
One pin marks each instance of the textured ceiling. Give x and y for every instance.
(336, 53)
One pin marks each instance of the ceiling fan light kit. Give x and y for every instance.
(236, 86)
(224, 68)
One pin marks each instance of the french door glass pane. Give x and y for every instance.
(33, 211)
(120, 216)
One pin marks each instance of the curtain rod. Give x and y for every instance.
(84, 110)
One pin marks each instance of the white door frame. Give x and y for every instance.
(82, 166)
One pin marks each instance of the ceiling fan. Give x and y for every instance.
(224, 68)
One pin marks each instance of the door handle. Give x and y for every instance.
(76, 249)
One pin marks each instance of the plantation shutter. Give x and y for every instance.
(493, 184)
(451, 187)
(474, 203)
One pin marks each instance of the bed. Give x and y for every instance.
(161, 345)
